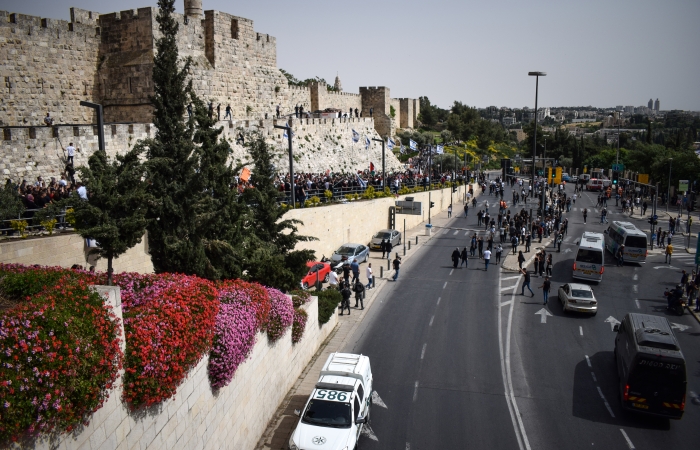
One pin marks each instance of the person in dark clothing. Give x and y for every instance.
(296, 111)
(355, 267)
(346, 272)
(383, 247)
(455, 258)
(521, 259)
(211, 109)
(388, 249)
(480, 244)
(218, 112)
(397, 266)
(371, 112)
(189, 111)
(546, 286)
(357, 113)
(464, 257)
(359, 294)
(345, 303)
(526, 282)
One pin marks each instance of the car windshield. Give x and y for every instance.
(382, 235)
(589, 256)
(328, 414)
(580, 293)
(346, 250)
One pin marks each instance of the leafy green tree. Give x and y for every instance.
(115, 213)
(10, 203)
(270, 255)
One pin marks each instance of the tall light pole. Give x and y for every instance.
(537, 76)
(544, 154)
(668, 195)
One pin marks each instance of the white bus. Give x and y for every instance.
(634, 240)
(590, 257)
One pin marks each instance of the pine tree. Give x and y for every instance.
(115, 213)
(175, 242)
(271, 258)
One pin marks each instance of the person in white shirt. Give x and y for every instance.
(370, 277)
(487, 258)
(82, 192)
(333, 280)
(70, 150)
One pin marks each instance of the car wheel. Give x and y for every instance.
(327, 277)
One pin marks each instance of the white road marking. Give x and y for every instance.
(510, 278)
(444, 285)
(634, 278)
(408, 446)
(447, 230)
(607, 405)
(422, 353)
(612, 321)
(504, 353)
(594, 378)
(439, 298)
(580, 330)
(679, 326)
(466, 233)
(456, 231)
(367, 431)
(636, 302)
(629, 442)
(566, 239)
(666, 267)
(507, 288)
(635, 288)
(451, 271)
(431, 321)
(588, 361)
(415, 392)
(506, 303)
(377, 400)
(543, 315)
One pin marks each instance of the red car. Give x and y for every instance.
(317, 271)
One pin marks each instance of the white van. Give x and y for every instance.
(338, 407)
(590, 257)
(634, 240)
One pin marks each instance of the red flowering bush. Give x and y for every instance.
(281, 314)
(236, 330)
(60, 353)
(259, 299)
(299, 324)
(169, 324)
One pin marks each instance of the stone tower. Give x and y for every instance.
(338, 87)
(193, 8)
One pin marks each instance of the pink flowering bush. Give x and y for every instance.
(299, 324)
(281, 314)
(235, 333)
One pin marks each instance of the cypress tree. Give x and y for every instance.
(115, 213)
(270, 256)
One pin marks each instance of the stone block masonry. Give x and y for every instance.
(233, 417)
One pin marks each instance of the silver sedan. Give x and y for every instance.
(578, 297)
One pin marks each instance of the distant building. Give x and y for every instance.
(619, 108)
(543, 113)
(338, 87)
(656, 105)
(629, 109)
(650, 105)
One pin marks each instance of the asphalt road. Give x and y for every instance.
(461, 360)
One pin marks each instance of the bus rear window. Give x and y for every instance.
(636, 241)
(589, 256)
(656, 374)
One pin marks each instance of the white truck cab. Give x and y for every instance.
(338, 407)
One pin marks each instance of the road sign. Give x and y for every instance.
(655, 217)
(618, 167)
(683, 185)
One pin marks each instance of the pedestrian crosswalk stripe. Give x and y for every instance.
(456, 231)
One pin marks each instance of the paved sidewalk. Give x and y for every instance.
(278, 431)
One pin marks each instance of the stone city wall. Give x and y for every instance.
(233, 417)
(322, 98)
(319, 145)
(46, 65)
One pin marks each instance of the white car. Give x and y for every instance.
(338, 407)
(578, 297)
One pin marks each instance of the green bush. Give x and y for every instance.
(327, 303)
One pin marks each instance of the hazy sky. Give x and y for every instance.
(595, 52)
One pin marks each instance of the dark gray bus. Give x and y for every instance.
(651, 366)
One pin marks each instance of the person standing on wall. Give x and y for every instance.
(277, 111)
(70, 151)
(296, 111)
(357, 114)
(48, 120)
(218, 112)
(228, 112)
(371, 112)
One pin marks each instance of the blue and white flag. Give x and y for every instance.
(367, 143)
(440, 150)
(355, 136)
(362, 182)
(285, 131)
(403, 149)
(390, 144)
(412, 145)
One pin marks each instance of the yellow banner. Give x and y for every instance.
(557, 175)
(549, 175)
(643, 178)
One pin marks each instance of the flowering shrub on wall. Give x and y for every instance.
(255, 293)
(60, 353)
(236, 330)
(169, 324)
(281, 314)
(299, 325)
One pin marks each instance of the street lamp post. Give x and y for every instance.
(668, 193)
(537, 76)
(544, 154)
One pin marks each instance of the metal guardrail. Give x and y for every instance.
(28, 216)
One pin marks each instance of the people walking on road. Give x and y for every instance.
(388, 249)
(449, 211)
(526, 282)
(549, 265)
(480, 244)
(370, 276)
(560, 239)
(487, 258)
(585, 214)
(542, 261)
(359, 294)
(499, 252)
(514, 242)
(346, 294)
(455, 258)
(382, 246)
(545, 289)
(464, 257)
(669, 253)
(355, 267)
(621, 256)
(521, 259)
(397, 265)
(466, 210)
